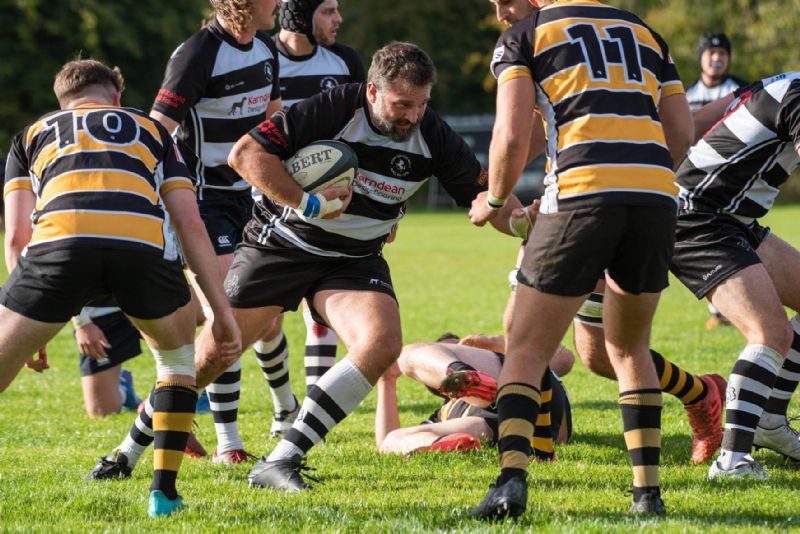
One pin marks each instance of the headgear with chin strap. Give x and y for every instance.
(297, 16)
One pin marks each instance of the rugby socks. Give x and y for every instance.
(673, 380)
(542, 441)
(223, 396)
(273, 356)
(517, 408)
(458, 365)
(320, 349)
(785, 385)
(641, 422)
(749, 387)
(140, 435)
(173, 414)
(330, 400)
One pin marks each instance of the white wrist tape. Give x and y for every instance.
(316, 205)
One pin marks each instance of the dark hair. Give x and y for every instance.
(79, 74)
(713, 40)
(401, 61)
(446, 336)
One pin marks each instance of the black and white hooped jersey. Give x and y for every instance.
(737, 167)
(217, 90)
(99, 174)
(325, 68)
(699, 94)
(389, 173)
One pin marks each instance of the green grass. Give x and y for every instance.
(448, 276)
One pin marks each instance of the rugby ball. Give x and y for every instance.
(323, 164)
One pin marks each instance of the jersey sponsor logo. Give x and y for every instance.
(380, 188)
(400, 165)
(237, 108)
(229, 86)
(272, 133)
(268, 71)
(327, 83)
(497, 55)
(224, 241)
(170, 98)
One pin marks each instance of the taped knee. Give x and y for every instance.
(178, 361)
(591, 311)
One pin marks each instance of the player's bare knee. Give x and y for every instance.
(410, 355)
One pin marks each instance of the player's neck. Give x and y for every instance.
(246, 37)
(88, 100)
(711, 81)
(296, 44)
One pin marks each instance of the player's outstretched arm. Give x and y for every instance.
(508, 153)
(707, 116)
(202, 261)
(676, 119)
(387, 417)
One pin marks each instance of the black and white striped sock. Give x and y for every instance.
(223, 396)
(336, 394)
(140, 435)
(273, 357)
(749, 387)
(320, 349)
(788, 377)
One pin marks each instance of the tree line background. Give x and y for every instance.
(38, 36)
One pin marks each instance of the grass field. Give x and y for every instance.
(448, 276)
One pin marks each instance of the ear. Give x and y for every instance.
(372, 92)
(117, 101)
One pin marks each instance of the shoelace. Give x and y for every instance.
(241, 455)
(302, 469)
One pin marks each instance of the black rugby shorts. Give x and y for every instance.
(712, 247)
(225, 219)
(567, 252)
(123, 338)
(54, 286)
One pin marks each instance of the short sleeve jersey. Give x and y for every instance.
(99, 174)
(322, 70)
(217, 90)
(739, 165)
(389, 173)
(599, 74)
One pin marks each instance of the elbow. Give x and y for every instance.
(236, 156)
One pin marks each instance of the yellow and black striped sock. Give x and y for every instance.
(641, 421)
(517, 407)
(673, 380)
(173, 413)
(542, 441)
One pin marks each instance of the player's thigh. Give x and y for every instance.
(749, 300)
(481, 359)
(782, 262)
(367, 322)
(20, 338)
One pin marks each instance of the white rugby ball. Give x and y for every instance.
(323, 164)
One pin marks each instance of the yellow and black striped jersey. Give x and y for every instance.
(599, 74)
(99, 174)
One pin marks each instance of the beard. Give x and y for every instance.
(391, 128)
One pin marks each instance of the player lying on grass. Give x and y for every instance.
(465, 376)
(107, 192)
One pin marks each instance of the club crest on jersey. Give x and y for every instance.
(400, 166)
(327, 83)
